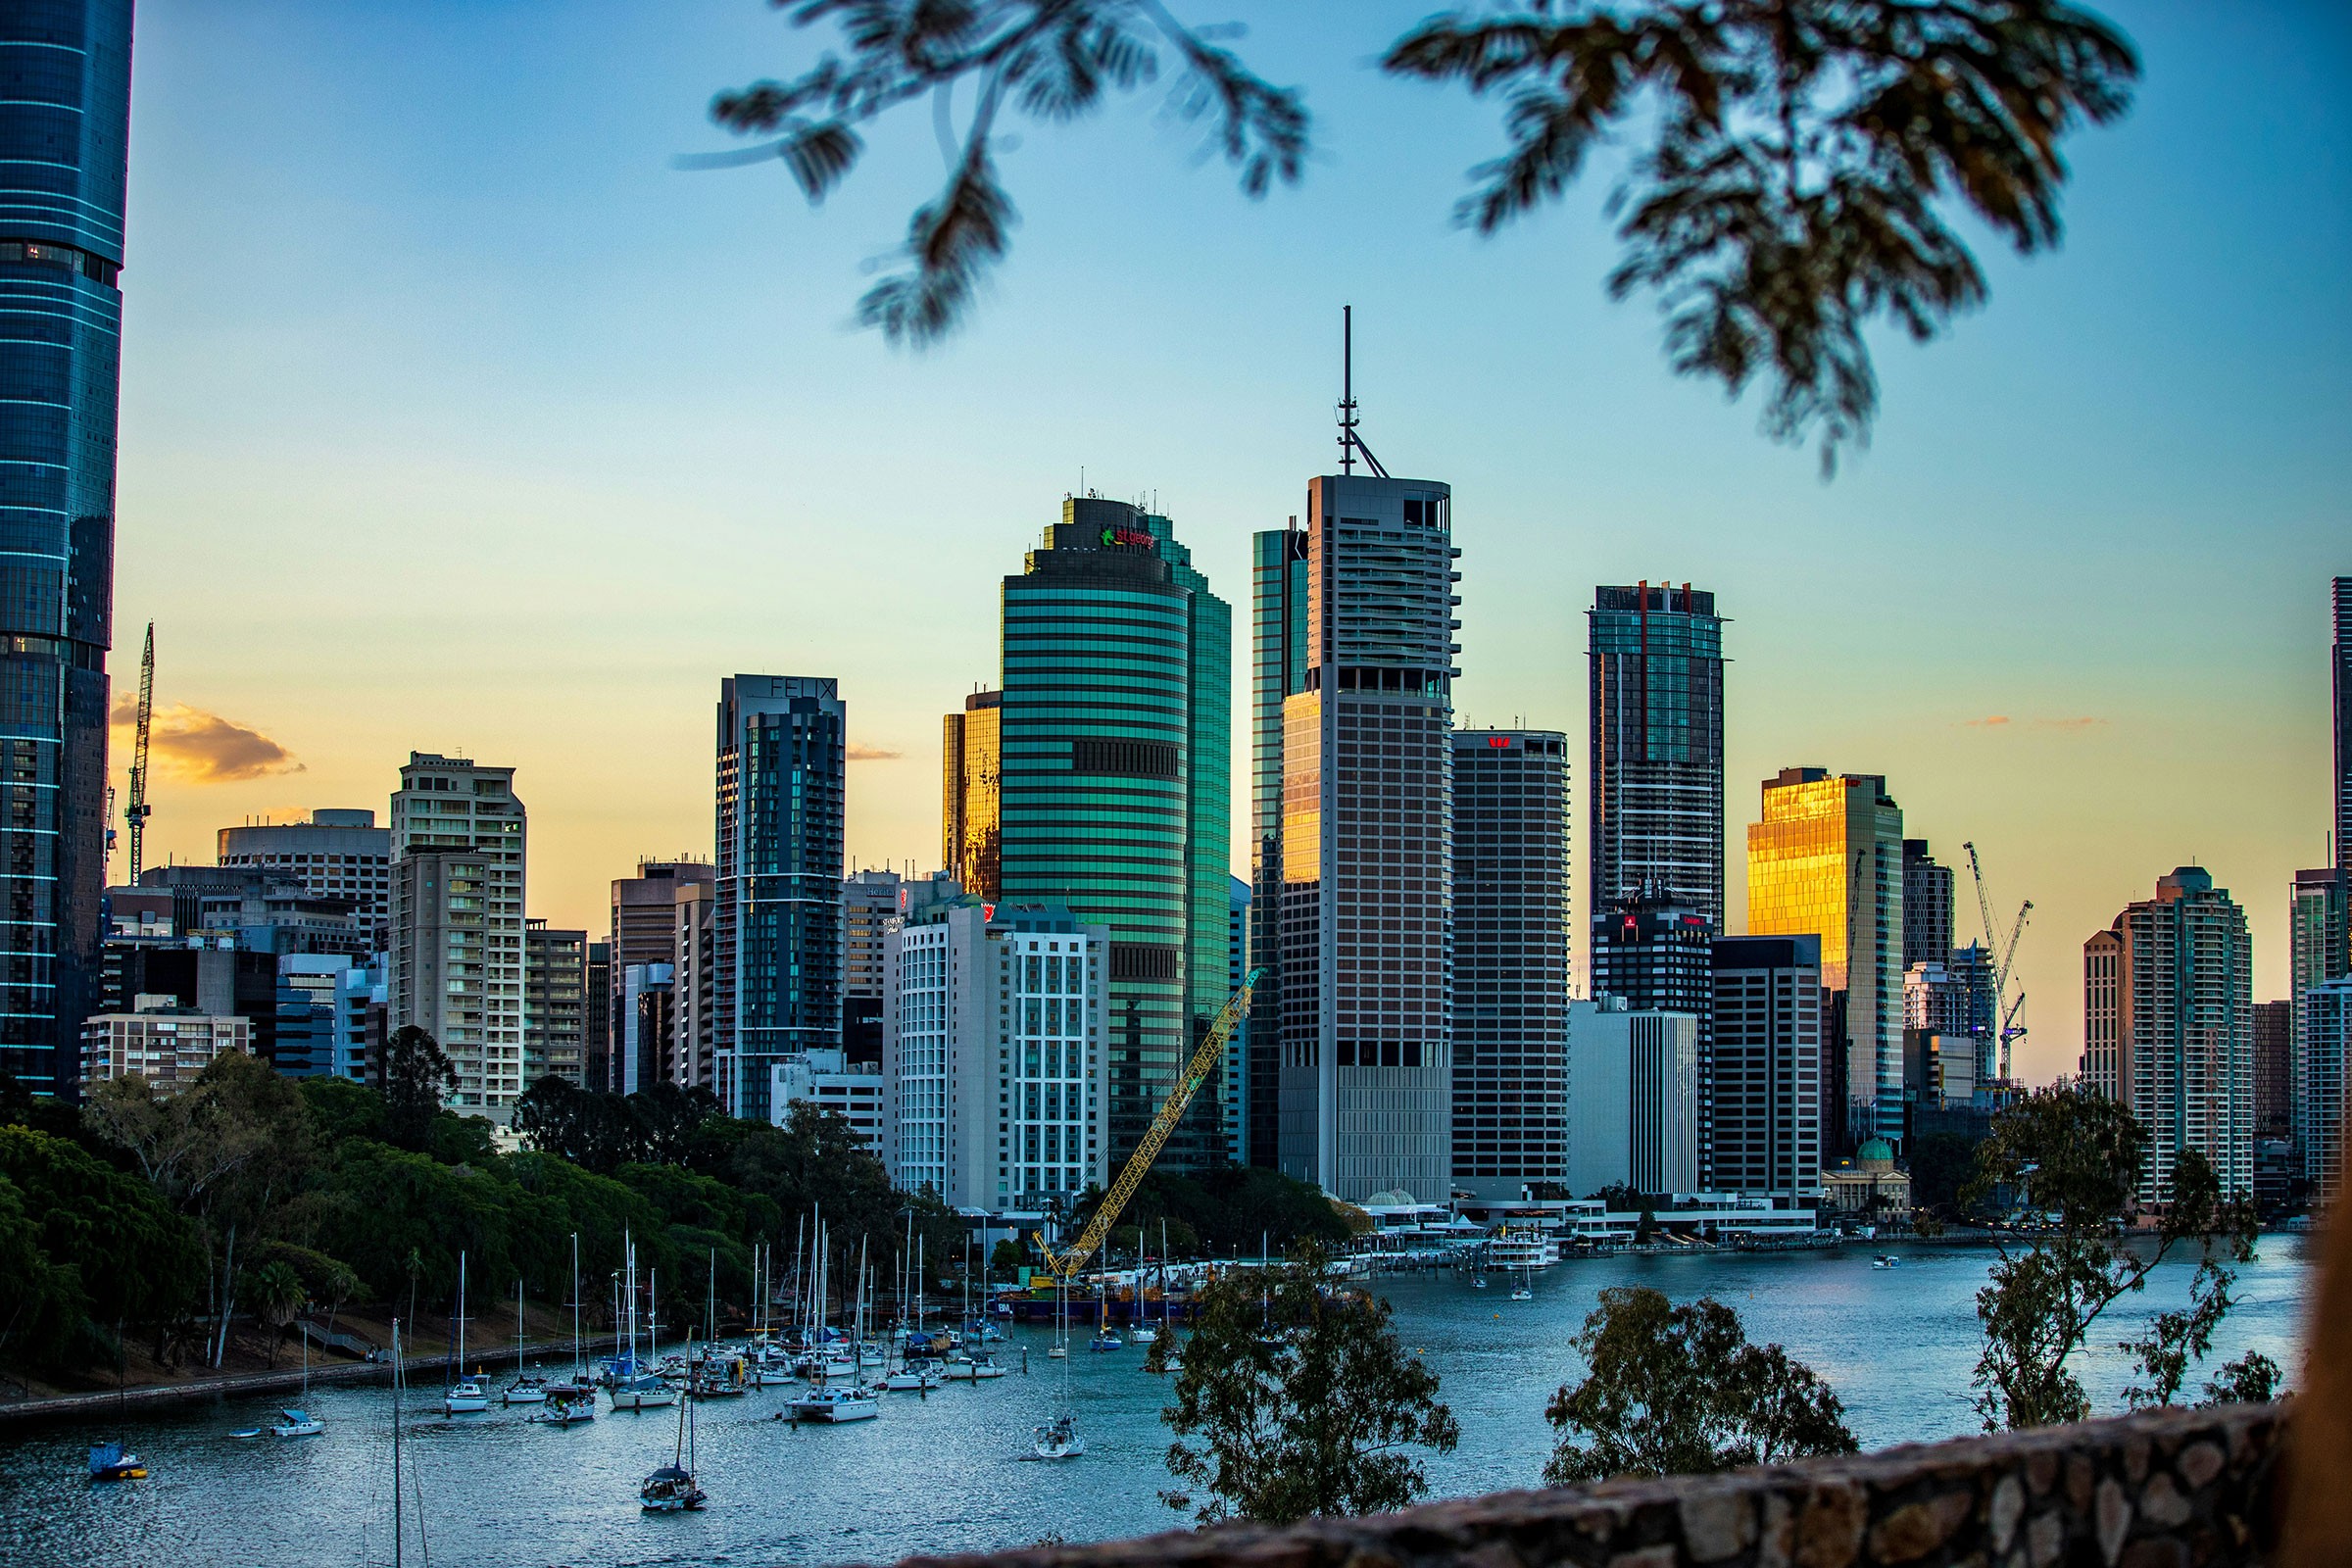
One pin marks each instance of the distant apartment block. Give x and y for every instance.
(458, 951)
(162, 1042)
(335, 852)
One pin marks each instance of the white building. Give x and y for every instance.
(991, 1054)
(1633, 1098)
(457, 955)
(159, 1041)
(829, 1081)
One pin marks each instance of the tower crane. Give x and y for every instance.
(2005, 1009)
(137, 810)
(1064, 1265)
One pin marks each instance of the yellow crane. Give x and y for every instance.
(1065, 1264)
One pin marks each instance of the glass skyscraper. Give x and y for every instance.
(65, 128)
(776, 931)
(1279, 660)
(1114, 789)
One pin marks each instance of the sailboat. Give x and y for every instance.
(634, 1387)
(1105, 1337)
(528, 1387)
(295, 1421)
(466, 1394)
(1058, 1438)
(831, 1399)
(403, 1480)
(672, 1488)
(1523, 1289)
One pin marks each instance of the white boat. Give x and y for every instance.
(833, 1405)
(1143, 1334)
(672, 1489)
(528, 1387)
(566, 1404)
(644, 1392)
(1517, 1251)
(1059, 1353)
(1886, 1260)
(915, 1378)
(293, 1422)
(464, 1397)
(1058, 1439)
(976, 1368)
(1520, 1292)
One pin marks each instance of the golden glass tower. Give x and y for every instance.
(1826, 861)
(972, 816)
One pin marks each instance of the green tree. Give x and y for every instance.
(2071, 1159)
(1789, 170)
(44, 1313)
(1680, 1391)
(277, 1300)
(2251, 1378)
(341, 1108)
(1303, 1400)
(417, 1075)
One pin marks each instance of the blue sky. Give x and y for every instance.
(456, 417)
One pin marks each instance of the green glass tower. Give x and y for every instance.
(1116, 788)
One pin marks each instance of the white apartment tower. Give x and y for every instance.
(458, 932)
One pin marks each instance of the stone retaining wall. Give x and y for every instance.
(2170, 1488)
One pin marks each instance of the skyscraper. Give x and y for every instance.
(1366, 854)
(776, 928)
(1114, 790)
(1278, 668)
(1654, 953)
(1768, 1045)
(1511, 959)
(1632, 1092)
(2167, 1027)
(2340, 679)
(1826, 861)
(2324, 1046)
(555, 1014)
(643, 930)
(869, 903)
(1656, 783)
(457, 948)
(2274, 1069)
(65, 127)
(1927, 906)
(972, 822)
(1237, 1078)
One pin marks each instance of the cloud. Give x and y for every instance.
(859, 752)
(2067, 723)
(1989, 722)
(2004, 722)
(201, 748)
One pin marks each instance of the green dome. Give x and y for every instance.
(1876, 1149)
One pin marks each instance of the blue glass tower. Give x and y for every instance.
(64, 130)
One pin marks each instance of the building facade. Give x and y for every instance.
(2168, 1024)
(167, 1045)
(777, 930)
(456, 969)
(1511, 959)
(644, 929)
(1238, 1080)
(1826, 861)
(2324, 1044)
(2340, 668)
(1114, 790)
(1769, 1038)
(1278, 592)
(1654, 951)
(829, 1081)
(2274, 1069)
(335, 854)
(1927, 906)
(971, 820)
(1632, 1086)
(1368, 858)
(326, 1004)
(65, 127)
(554, 1005)
(1655, 663)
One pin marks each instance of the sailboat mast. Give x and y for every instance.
(396, 1514)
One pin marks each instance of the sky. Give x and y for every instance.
(457, 417)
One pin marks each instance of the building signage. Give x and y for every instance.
(1128, 536)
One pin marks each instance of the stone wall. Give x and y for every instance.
(2170, 1488)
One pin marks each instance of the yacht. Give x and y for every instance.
(1058, 1439)
(566, 1404)
(296, 1423)
(644, 1392)
(111, 1461)
(833, 1405)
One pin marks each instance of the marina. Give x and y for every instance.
(957, 1467)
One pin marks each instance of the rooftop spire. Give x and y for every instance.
(1352, 442)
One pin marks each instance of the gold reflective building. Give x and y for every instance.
(972, 813)
(1827, 861)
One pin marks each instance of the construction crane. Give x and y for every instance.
(1064, 1265)
(137, 810)
(2004, 1009)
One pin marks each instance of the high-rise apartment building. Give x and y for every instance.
(1366, 849)
(326, 1007)
(1510, 961)
(1655, 666)
(597, 1014)
(1278, 592)
(776, 931)
(2324, 1046)
(1927, 906)
(2274, 1069)
(2340, 680)
(645, 929)
(997, 1089)
(65, 127)
(458, 951)
(2318, 941)
(1633, 1088)
(1653, 952)
(692, 1058)
(869, 903)
(971, 819)
(1238, 1083)
(1826, 861)
(1769, 1039)
(337, 853)
(2167, 1027)
(554, 1005)
(1114, 795)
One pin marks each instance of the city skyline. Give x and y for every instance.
(2014, 682)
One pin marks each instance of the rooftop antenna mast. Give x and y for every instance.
(137, 810)
(1352, 442)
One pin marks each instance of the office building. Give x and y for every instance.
(1633, 1089)
(971, 820)
(459, 839)
(262, 911)
(334, 853)
(692, 1059)
(1654, 951)
(2168, 1025)
(1237, 1045)
(1279, 594)
(1511, 939)
(1826, 861)
(64, 138)
(167, 1045)
(997, 1085)
(1114, 795)
(829, 1081)
(554, 1011)
(1940, 1070)
(216, 980)
(596, 1016)
(2274, 1070)
(777, 930)
(2324, 1042)
(644, 929)
(648, 1013)
(1769, 1034)
(1655, 664)
(1366, 852)
(1927, 906)
(324, 1005)
(2340, 681)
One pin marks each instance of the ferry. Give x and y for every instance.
(1528, 1249)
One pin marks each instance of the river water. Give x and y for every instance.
(948, 1471)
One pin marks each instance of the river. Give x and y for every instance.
(947, 1472)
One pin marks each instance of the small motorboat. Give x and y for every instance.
(1478, 1282)
(246, 1432)
(1886, 1260)
(1520, 1292)
(671, 1489)
(465, 1396)
(1057, 1353)
(292, 1423)
(111, 1461)
(1058, 1439)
